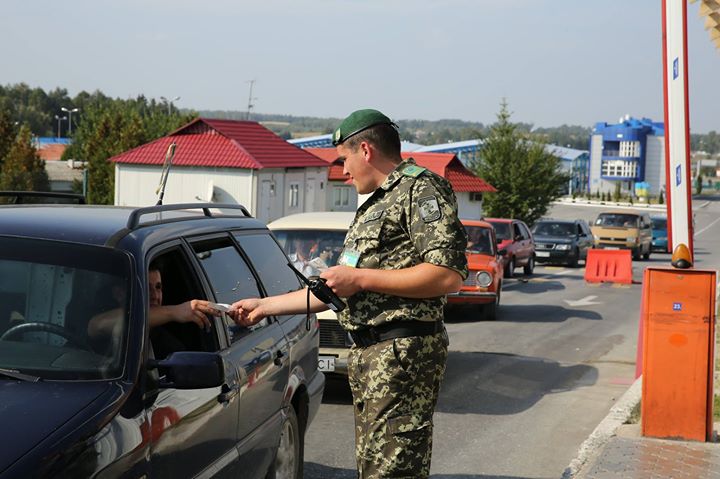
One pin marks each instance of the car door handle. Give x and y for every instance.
(228, 392)
(279, 355)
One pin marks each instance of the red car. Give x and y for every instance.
(515, 243)
(483, 284)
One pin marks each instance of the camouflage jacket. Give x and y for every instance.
(410, 219)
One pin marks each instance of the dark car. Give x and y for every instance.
(176, 400)
(562, 241)
(40, 197)
(515, 243)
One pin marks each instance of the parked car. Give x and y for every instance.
(515, 243)
(660, 234)
(624, 230)
(562, 241)
(226, 401)
(314, 242)
(484, 282)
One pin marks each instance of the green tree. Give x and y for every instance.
(7, 134)
(527, 177)
(617, 193)
(110, 127)
(698, 184)
(23, 169)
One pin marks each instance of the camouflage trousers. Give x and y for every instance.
(395, 387)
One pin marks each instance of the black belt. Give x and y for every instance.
(399, 329)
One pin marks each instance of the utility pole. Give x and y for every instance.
(70, 112)
(250, 99)
(59, 119)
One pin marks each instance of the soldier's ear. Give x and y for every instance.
(367, 150)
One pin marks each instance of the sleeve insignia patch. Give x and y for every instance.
(429, 209)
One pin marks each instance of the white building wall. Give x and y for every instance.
(136, 185)
(655, 163)
(468, 209)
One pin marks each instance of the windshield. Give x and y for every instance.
(49, 292)
(502, 230)
(479, 240)
(311, 251)
(617, 219)
(547, 228)
(659, 223)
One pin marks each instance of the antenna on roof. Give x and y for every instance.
(169, 155)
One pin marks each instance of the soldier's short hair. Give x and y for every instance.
(384, 137)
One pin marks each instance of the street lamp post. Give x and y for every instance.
(59, 119)
(70, 112)
(169, 103)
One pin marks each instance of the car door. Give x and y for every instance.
(193, 432)
(524, 243)
(259, 353)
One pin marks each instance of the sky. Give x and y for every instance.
(555, 62)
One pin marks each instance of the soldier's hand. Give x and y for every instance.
(247, 312)
(343, 280)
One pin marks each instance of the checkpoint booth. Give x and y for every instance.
(678, 353)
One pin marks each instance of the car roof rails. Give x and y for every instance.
(134, 218)
(26, 197)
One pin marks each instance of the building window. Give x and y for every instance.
(341, 196)
(475, 196)
(294, 195)
(630, 149)
(625, 169)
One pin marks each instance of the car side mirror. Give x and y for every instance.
(190, 370)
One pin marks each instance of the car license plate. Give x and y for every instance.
(542, 254)
(326, 363)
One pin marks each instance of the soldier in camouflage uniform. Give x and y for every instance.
(404, 251)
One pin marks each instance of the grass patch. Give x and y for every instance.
(635, 414)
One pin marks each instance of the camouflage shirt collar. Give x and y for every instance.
(396, 174)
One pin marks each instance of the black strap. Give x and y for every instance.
(398, 329)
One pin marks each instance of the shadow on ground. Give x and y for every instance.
(497, 384)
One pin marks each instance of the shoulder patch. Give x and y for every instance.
(413, 170)
(429, 209)
(372, 216)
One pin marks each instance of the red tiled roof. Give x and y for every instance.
(222, 143)
(446, 165)
(335, 173)
(52, 152)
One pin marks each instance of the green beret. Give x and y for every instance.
(358, 121)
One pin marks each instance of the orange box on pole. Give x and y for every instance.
(678, 353)
(608, 265)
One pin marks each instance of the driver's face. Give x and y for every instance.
(155, 287)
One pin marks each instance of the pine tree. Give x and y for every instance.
(23, 170)
(527, 177)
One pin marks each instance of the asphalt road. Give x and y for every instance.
(522, 393)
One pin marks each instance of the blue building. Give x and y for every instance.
(628, 152)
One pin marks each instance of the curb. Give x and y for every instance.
(612, 204)
(617, 416)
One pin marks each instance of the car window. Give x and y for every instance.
(502, 230)
(49, 291)
(617, 220)
(230, 277)
(480, 240)
(547, 228)
(270, 263)
(311, 251)
(517, 232)
(659, 223)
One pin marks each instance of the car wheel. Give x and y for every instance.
(490, 309)
(646, 256)
(510, 268)
(573, 263)
(636, 254)
(288, 463)
(530, 266)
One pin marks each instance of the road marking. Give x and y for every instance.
(707, 227)
(586, 301)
